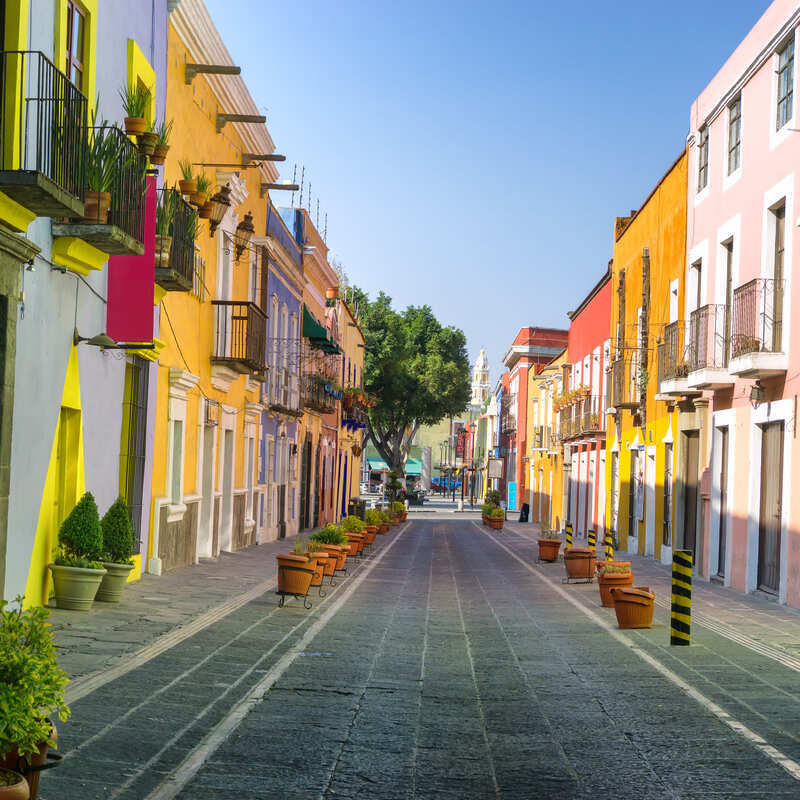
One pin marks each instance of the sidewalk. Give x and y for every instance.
(751, 620)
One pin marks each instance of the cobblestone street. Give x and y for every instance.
(447, 664)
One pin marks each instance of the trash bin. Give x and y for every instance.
(523, 514)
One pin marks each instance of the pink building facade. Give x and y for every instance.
(736, 450)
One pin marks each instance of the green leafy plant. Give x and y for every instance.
(487, 508)
(31, 682)
(117, 528)
(165, 211)
(546, 533)
(81, 537)
(135, 100)
(186, 169)
(398, 507)
(164, 131)
(493, 497)
(352, 524)
(373, 517)
(314, 546)
(613, 568)
(330, 534)
(300, 548)
(203, 183)
(386, 516)
(497, 513)
(102, 156)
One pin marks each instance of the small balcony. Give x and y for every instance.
(592, 423)
(354, 414)
(241, 337)
(624, 392)
(176, 229)
(113, 219)
(284, 392)
(674, 357)
(709, 335)
(42, 136)
(508, 414)
(319, 392)
(757, 330)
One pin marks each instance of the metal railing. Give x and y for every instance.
(590, 422)
(675, 355)
(182, 230)
(318, 393)
(43, 126)
(709, 332)
(757, 317)
(241, 335)
(508, 413)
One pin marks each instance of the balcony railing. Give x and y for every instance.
(319, 393)
(591, 422)
(508, 413)
(675, 355)
(757, 325)
(624, 391)
(284, 392)
(175, 252)
(241, 336)
(42, 136)
(354, 413)
(709, 331)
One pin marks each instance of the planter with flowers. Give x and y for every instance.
(549, 544)
(610, 575)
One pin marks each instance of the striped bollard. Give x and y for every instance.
(609, 547)
(592, 539)
(681, 614)
(568, 535)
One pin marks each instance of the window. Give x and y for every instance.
(734, 135)
(667, 515)
(177, 461)
(702, 160)
(777, 287)
(133, 441)
(785, 84)
(76, 30)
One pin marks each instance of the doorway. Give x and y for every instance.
(692, 440)
(650, 502)
(204, 543)
(633, 494)
(723, 502)
(226, 538)
(769, 525)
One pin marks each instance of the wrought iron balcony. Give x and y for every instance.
(354, 414)
(176, 229)
(624, 391)
(592, 423)
(284, 392)
(42, 136)
(113, 220)
(319, 393)
(757, 329)
(709, 336)
(241, 337)
(508, 413)
(674, 360)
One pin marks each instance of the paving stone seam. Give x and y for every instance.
(471, 660)
(716, 626)
(758, 742)
(195, 759)
(87, 684)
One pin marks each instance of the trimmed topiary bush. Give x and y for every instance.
(81, 537)
(117, 528)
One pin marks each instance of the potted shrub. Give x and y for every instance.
(188, 183)
(315, 560)
(13, 786)
(326, 559)
(579, 563)
(200, 197)
(163, 132)
(633, 606)
(399, 510)
(147, 142)
(77, 571)
(372, 520)
(386, 519)
(165, 213)
(102, 156)
(134, 103)
(117, 528)
(335, 543)
(497, 518)
(612, 574)
(353, 528)
(31, 690)
(549, 544)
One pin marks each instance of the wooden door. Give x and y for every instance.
(723, 501)
(690, 481)
(633, 527)
(769, 527)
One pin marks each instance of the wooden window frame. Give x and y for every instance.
(734, 135)
(702, 159)
(72, 61)
(785, 96)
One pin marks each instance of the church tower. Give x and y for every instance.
(480, 381)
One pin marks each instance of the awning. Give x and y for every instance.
(414, 466)
(377, 464)
(318, 334)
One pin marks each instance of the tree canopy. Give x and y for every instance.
(416, 368)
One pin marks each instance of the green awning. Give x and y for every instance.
(377, 465)
(414, 466)
(317, 334)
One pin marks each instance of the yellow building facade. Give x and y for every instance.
(646, 313)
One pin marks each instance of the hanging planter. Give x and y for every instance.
(147, 142)
(633, 606)
(579, 563)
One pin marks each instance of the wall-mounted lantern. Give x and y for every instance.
(244, 232)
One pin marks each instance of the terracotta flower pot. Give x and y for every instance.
(355, 541)
(633, 606)
(134, 126)
(496, 523)
(147, 142)
(13, 786)
(340, 551)
(294, 574)
(613, 580)
(369, 534)
(188, 187)
(12, 761)
(329, 561)
(319, 568)
(548, 549)
(331, 293)
(579, 562)
(159, 154)
(205, 210)
(163, 248)
(96, 207)
(404, 516)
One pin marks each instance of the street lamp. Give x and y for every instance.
(244, 232)
(220, 203)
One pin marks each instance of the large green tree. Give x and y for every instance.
(416, 368)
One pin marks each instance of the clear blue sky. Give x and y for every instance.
(473, 155)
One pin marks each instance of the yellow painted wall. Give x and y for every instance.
(659, 225)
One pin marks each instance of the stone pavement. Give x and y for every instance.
(449, 664)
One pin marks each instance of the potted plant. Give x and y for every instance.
(579, 563)
(549, 544)
(13, 786)
(610, 575)
(200, 196)
(633, 606)
(497, 518)
(386, 518)
(102, 157)
(372, 520)
(315, 559)
(325, 558)
(332, 292)
(31, 691)
(399, 509)
(295, 573)
(188, 183)
(163, 132)
(77, 571)
(118, 535)
(335, 542)
(165, 213)
(135, 102)
(353, 528)
(147, 141)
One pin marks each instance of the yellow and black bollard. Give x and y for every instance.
(592, 539)
(609, 546)
(568, 535)
(681, 615)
